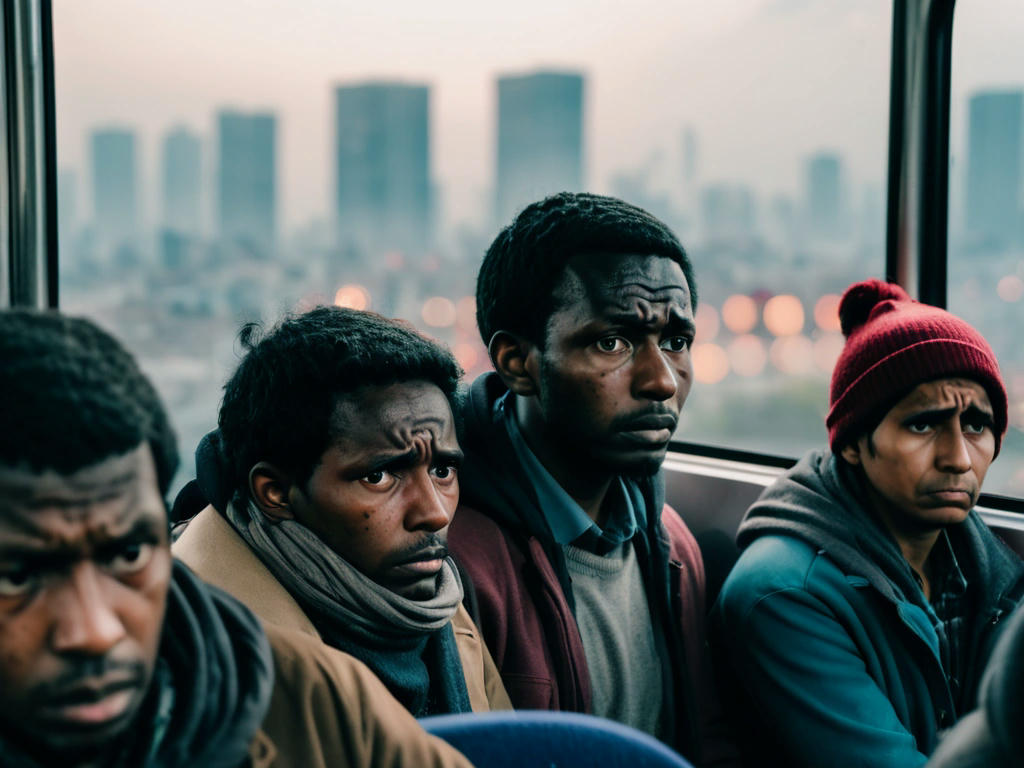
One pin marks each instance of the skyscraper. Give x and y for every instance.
(114, 188)
(247, 179)
(180, 179)
(727, 213)
(382, 167)
(824, 195)
(993, 188)
(540, 138)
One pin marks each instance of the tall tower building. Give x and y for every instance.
(180, 181)
(114, 188)
(247, 179)
(382, 167)
(540, 139)
(824, 195)
(994, 156)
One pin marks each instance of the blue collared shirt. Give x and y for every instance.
(568, 522)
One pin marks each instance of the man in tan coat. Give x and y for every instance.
(332, 481)
(111, 653)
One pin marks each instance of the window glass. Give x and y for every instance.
(225, 162)
(986, 201)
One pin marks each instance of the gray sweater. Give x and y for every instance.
(618, 640)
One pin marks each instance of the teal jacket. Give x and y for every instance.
(827, 641)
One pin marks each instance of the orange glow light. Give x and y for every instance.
(710, 363)
(826, 312)
(793, 355)
(465, 312)
(1010, 288)
(707, 323)
(747, 355)
(439, 312)
(739, 313)
(784, 315)
(352, 296)
(466, 355)
(827, 350)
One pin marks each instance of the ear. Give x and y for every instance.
(515, 360)
(270, 488)
(851, 453)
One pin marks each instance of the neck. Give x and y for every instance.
(587, 485)
(915, 543)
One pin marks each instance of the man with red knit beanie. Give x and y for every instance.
(855, 626)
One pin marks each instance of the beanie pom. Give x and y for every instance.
(861, 298)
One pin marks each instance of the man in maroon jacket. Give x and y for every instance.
(590, 589)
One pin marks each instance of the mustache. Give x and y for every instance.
(654, 417)
(77, 682)
(432, 546)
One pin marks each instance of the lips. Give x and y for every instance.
(954, 497)
(91, 705)
(650, 429)
(424, 563)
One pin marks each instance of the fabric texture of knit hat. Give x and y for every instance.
(894, 343)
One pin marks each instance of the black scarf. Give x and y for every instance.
(210, 690)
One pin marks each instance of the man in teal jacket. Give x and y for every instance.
(857, 622)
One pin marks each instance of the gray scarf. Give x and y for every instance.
(319, 578)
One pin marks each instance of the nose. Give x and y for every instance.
(85, 620)
(430, 509)
(952, 453)
(654, 377)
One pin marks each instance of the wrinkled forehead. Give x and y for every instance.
(111, 495)
(610, 278)
(395, 414)
(957, 393)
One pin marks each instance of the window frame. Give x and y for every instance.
(917, 203)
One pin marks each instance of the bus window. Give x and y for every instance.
(224, 162)
(986, 201)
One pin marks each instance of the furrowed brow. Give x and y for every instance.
(977, 413)
(931, 416)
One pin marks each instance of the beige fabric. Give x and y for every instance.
(219, 556)
(328, 710)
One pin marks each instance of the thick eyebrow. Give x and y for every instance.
(675, 325)
(939, 415)
(398, 462)
(40, 555)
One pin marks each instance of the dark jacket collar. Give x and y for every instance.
(820, 501)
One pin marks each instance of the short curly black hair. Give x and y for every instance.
(278, 404)
(73, 396)
(517, 280)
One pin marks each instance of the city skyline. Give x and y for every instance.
(383, 164)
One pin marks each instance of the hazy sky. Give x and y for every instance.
(762, 82)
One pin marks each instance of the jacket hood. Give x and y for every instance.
(821, 502)
(493, 480)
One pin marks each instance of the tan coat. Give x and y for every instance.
(328, 710)
(219, 556)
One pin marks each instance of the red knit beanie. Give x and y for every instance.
(894, 343)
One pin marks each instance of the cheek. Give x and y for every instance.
(22, 653)
(146, 607)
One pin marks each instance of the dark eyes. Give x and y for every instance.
(617, 344)
(445, 472)
(131, 559)
(127, 560)
(969, 427)
(613, 344)
(382, 480)
(676, 343)
(16, 583)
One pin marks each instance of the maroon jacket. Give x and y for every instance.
(522, 587)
